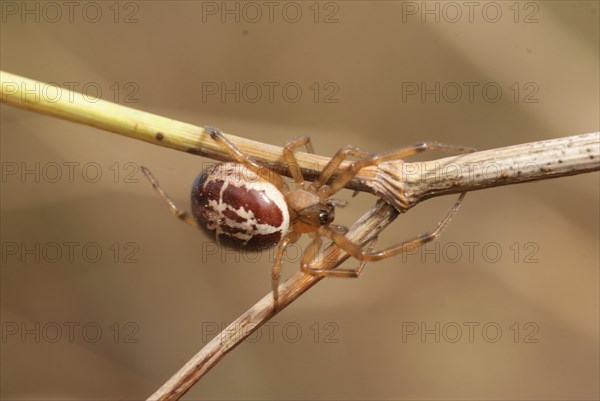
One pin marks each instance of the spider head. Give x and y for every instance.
(318, 214)
(308, 212)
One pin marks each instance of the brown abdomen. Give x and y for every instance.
(238, 208)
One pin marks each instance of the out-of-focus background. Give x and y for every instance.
(105, 294)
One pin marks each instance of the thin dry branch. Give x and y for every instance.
(486, 169)
(402, 185)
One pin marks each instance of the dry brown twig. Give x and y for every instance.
(402, 185)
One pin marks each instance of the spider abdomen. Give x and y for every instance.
(238, 208)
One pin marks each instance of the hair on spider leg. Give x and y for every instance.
(249, 207)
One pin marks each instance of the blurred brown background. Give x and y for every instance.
(518, 265)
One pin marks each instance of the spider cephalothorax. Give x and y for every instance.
(245, 206)
(308, 212)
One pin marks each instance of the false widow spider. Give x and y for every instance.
(248, 207)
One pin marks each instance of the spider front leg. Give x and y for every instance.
(246, 160)
(288, 155)
(288, 239)
(345, 273)
(334, 164)
(180, 214)
(356, 250)
(348, 174)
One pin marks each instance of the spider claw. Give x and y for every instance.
(212, 130)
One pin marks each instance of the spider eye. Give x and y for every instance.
(323, 216)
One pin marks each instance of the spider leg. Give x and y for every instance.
(289, 157)
(246, 160)
(342, 273)
(348, 174)
(288, 239)
(356, 250)
(310, 253)
(180, 214)
(334, 164)
(339, 229)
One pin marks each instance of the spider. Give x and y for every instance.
(248, 207)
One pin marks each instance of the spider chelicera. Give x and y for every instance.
(249, 207)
